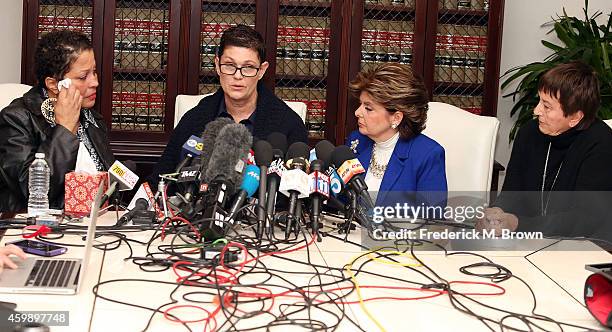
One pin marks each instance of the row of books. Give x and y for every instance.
(406, 3)
(316, 104)
(464, 4)
(459, 69)
(51, 10)
(138, 105)
(50, 23)
(472, 104)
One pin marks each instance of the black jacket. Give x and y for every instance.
(271, 115)
(24, 132)
(578, 188)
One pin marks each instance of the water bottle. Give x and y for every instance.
(38, 186)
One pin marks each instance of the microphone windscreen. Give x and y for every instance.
(230, 154)
(142, 204)
(263, 153)
(324, 151)
(298, 150)
(341, 154)
(250, 183)
(209, 138)
(278, 141)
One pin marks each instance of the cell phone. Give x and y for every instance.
(65, 83)
(39, 248)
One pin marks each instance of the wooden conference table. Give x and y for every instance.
(556, 275)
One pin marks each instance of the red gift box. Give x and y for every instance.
(80, 191)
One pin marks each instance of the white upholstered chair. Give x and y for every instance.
(186, 102)
(10, 92)
(469, 145)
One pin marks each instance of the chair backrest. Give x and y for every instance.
(10, 92)
(469, 144)
(609, 122)
(186, 102)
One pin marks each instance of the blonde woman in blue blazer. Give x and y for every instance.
(403, 165)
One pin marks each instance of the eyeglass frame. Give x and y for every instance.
(236, 68)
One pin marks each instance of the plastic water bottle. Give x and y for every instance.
(38, 202)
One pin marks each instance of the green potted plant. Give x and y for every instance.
(582, 40)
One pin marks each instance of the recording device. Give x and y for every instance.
(249, 186)
(294, 182)
(225, 170)
(324, 150)
(209, 138)
(263, 158)
(39, 248)
(144, 192)
(192, 148)
(319, 190)
(351, 172)
(121, 178)
(65, 83)
(139, 214)
(278, 142)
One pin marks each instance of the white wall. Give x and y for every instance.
(11, 14)
(521, 45)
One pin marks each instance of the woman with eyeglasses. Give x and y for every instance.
(241, 64)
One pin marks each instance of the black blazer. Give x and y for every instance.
(24, 132)
(271, 115)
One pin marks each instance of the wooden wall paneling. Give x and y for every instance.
(430, 23)
(492, 64)
(353, 14)
(334, 118)
(106, 74)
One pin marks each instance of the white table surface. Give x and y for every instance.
(556, 276)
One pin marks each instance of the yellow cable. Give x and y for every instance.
(393, 252)
(349, 271)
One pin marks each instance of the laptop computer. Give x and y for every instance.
(36, 275)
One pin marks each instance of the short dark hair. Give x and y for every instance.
(576, 86)
(243, 36)
(56, 51)
(398, 89)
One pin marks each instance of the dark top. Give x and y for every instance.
(271, 115)
(24, 132)
(578, 173)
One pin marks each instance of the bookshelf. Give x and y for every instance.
(148, 51)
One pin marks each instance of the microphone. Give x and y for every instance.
(350, 171)
(209, 138)
(192, 148)
(324, 151)
(141, 205)
(144, 191)
(278, 142)
(263, 158)
(294, 182)
(122, 178)
(225, 169)
(319, 188)
(249, 185)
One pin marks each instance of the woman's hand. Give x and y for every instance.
(8, 250)
(496, 219)
(68, 108)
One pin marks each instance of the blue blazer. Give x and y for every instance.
(416, 165)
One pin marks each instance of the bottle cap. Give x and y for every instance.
(39, 155)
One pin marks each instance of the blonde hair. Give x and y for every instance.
(394, 86)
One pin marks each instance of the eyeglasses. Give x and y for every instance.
(229, 69)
